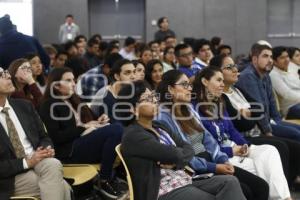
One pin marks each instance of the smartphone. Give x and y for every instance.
(202, 176)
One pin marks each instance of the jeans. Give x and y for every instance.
(99, 146)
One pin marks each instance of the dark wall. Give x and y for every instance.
(50, 14)
(238, 22)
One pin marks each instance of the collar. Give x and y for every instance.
(198, 60)
(6, 105)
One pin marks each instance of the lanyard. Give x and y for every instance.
(165, 138)
(222, 137)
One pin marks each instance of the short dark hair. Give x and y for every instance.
(69, 44)
(217, 61)
(160, 21)
(292, 50)
(215, 40)
(92, 42)
(117, 67)
(69, 15)
(198, 44)
(277, 51)
(180, 47)
(111, 59)
(129, 41)
(78, 37)
(224, 46)
(256, 49)
(61, 52)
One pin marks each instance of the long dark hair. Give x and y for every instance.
(170, 78)
(13, 68)
(201, 92)
(149, 70)
(56, 75)
(134, 91)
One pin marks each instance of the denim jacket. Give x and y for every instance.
(200, 165)
(260, 89)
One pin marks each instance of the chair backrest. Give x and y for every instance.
(24, 198)
(129, 181)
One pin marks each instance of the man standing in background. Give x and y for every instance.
(69, 30)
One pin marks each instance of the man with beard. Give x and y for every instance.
(256, 83)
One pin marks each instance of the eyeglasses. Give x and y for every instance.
(185, 85)
(4, 74)
(25, 67)
(186, 54)
(151, 98)
(230, 67)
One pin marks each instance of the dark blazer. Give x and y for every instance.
(10, 166)
(142, 150)
(63, 132)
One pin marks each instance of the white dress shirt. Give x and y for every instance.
(23, 138)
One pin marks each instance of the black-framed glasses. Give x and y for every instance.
(26, 67)
(4, 73)
(230, 67)
(185, 85)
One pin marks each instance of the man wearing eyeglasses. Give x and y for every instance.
(27, 166)
(184, 57)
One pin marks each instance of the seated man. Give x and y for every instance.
(285, 84)
(27, 166)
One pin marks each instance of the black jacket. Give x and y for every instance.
(61, 125)
(10, 166)
(242, 124)
(142, 150)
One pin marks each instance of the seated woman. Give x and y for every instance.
(77, 136)
(139, 70)
(244, 116)
(262, 160)
(154, 72)
(169, 59)
(22, 78)
(37, 70)
(156, 157)
(177, 112)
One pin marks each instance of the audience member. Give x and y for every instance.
(255, 82)
(224, 50)
(98, 77)
(139, 70)
(123, 71)
(294, 65)
(164, 155)
(153, 74)
(285, 84)
(24, 83)
(127, 52)
(245, 114)
(37, 70)
(261, 160)
(79, 138)
(92, 53)
(60, 59)
(215, 43)
(177, 112)
(169, 59)
(27, 166)
(184, 57)
(202, 53)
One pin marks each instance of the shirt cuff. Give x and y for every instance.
(25, 164)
